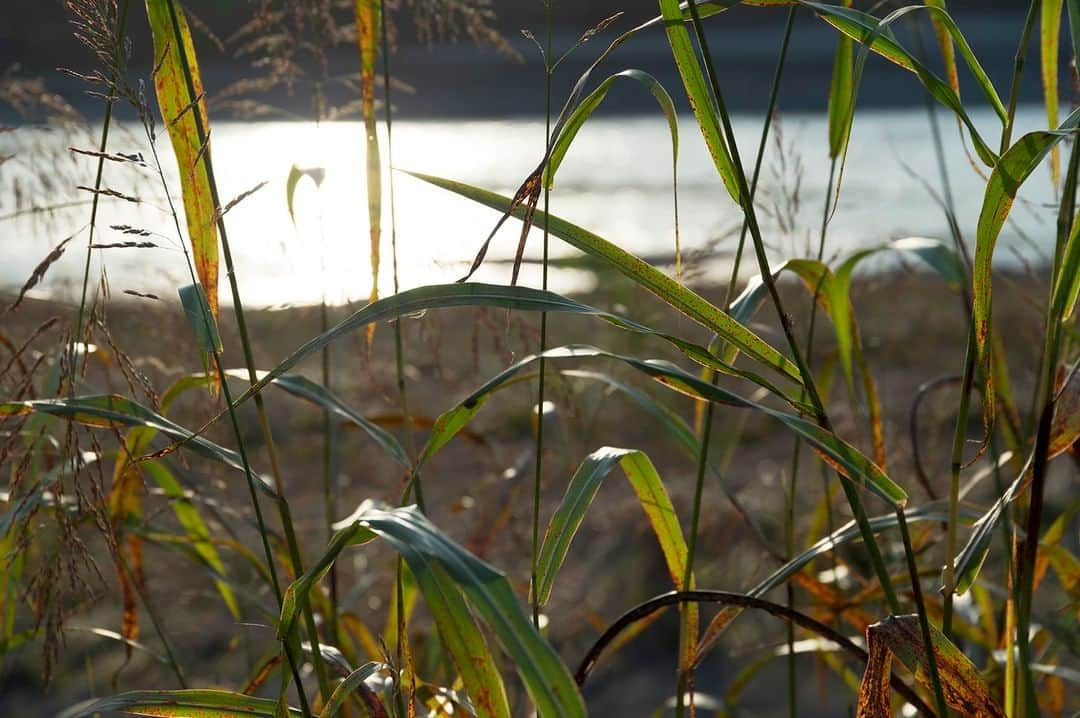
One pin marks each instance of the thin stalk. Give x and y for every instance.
(121, 28)
(234, 422)
(924, 622)
(785, 320)
(539, 457)
(249, 360)
(399, 361)
(328, 477)
(155, 620)
(789, 548)
(1025, 566)
(960, 433)
(399, 354)
(1018, 69)
(703, 453)
(1028, 549)
(789, 518)
(956, 464)
(329, 470)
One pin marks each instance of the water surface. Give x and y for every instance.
(615, 181)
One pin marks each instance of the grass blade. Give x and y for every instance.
(433, 557)
(697, 93)
(1048, 51)
(112, 411)
(304, 388)
(869, 31)
(195, 703)
(178, 110)
(583, 111)
(842, 456)
(841, 95)
(654, 499)
(646, 276)
(581, 491)
(368, 21)
(1016, 165)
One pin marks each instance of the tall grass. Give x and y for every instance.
(973, 658)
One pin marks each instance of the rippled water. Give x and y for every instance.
(616, 181)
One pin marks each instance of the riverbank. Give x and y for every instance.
(478, 488)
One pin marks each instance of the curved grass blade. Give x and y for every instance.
(678, 428)
(518, 298)
(440, 566)
(848, 460)
(841, 95)
(971, 557)
(317, 175)
(644, 275)
(833, 292)
(178, 112)
(113, 411)
(581, 491)
(875, 36)
(697, 92)
(354, 682)
(462, 638)
(936, 511)
(317, 394)
(576, 120)
(583, 111)
(194, 703)
(195, 528)
(654, 500)
(1015, 166)
(125, 499)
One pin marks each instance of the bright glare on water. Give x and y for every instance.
(616, 181)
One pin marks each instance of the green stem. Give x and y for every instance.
(399, 354)
(956, 464)
(399, 361)
(1018, 69)
(234, 423)
(539, 457)
(249, 360)
(328, 479)
(924, 622)
(785, 321)
(155, 619)
(960, 431)
(703, 453)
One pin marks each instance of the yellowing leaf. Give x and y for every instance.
(368, 17)
(183, 109)
(901, 636)
(1065, 428)
(1048, 49)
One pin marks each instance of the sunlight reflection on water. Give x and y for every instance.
(616, 181)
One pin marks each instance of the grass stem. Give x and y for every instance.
(703, 453)
(850, 491)
(539, 451)
(249, 360)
